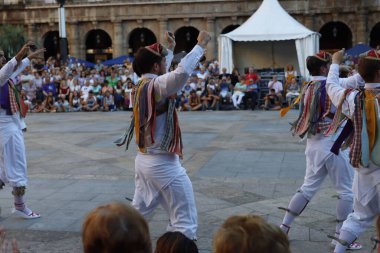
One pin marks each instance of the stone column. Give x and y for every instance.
(74, 41)
(117, 39)
(361, 28)
(211, 47)
(32, 32)
(162, 30)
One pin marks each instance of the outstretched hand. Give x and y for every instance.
(36, 54)
(203, 39)
(338, 56)
(170, 39)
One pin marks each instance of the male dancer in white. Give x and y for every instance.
(316, 114)
(12, 149)
(160, 178)
(362, 107)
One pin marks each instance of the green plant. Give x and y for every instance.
(12, 39)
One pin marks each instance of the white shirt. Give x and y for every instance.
(277, 86)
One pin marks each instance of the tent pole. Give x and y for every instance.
(273, 62)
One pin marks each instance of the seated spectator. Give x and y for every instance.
(75, 102)
(187, 88)
(210, 100)
(90, 103)
(39, 107)
(64, 90)
(61, 105)
(194, 103)
(251, 94)
(175, 242)
(115, 227)
(49, 86)
(108, 102)
(49, 103)
(293, 91)
(252, 74)
(30, 90)
(277, 86)
(86, 89)
(211, 83)
(239, 92)
(224, 74)
(128, 99)
(224, 90)
(249, 233)
(272, 102)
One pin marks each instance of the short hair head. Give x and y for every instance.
(115, 227)
(315, 62)
(249, 233)
(146, 57)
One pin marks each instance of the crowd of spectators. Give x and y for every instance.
(72, 87)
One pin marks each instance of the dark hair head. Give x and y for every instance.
(314, 65)
(144, 61)
(368, 69)
(175, 242)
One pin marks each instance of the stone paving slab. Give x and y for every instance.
(239, 162)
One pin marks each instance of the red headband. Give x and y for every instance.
(157, 49)
(371, 54)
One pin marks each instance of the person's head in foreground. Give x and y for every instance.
(319, 64)
(175, 242)
(115, 228)
(249, 234)
(369, 66)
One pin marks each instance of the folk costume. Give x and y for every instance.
(316, 113)
(13, 168)
(159, 176)
(362, 135)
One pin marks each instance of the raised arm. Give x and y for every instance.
(334, 89)
(170, 83)
(353, 82)
(7, 70)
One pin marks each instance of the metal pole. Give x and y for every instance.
(62, 32)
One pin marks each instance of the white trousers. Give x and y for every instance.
(13, 169)
(176, 197)
(337, 168)
(363, 215)
(237, 97)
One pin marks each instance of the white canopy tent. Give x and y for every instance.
(247, 45)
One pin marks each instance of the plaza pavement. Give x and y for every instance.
(239, 162)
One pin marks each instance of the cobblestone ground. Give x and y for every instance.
(239, 162)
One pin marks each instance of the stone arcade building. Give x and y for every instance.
(103, 29)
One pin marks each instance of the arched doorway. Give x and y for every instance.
(140, 37)
(51, 43)
(229, 28)
(185, 38)
(335, 36)
(374, 36)
(98, 45)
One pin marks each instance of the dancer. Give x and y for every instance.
(362, 135)
(316, 113)
(13, 169)
(160, 178)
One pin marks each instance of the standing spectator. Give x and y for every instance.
(118, 95)
(30, 90)
(37, 79)
(252, 75)
(239, 92)
(128, 101)
(26, 77)
(290, 73)
(99, 65)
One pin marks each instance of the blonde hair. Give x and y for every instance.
(115, 227)
(249, 234)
